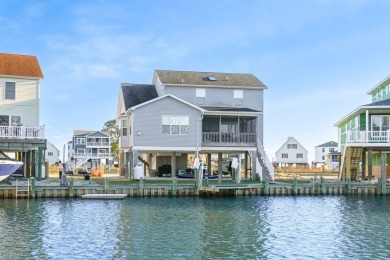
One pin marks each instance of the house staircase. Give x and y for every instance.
(83, 161)
(350, 163)
(143, 161)
(264, 167)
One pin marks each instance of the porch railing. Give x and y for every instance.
(98, 144)
(368, 136)
(91, 155)
(22, 132)
(218, 137)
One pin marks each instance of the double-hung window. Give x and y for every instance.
(238, 97)
(201, 96)
(175, 125)
(10, 90)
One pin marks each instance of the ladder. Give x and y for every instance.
(22, 190)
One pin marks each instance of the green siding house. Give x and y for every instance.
(364, 136)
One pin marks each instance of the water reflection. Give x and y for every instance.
(176, 228)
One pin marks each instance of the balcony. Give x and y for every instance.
(368, 137)
(22, 132)
(218, 138)
(98, 144)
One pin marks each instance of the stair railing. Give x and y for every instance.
(266, 161)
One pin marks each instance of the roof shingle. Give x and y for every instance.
(135, 94)
(20, 65)
(209, 78)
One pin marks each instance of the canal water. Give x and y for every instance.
(302, 227)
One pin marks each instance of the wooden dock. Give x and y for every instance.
(104, 196)
(265, 188)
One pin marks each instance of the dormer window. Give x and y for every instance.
(238, 97)
(200, 96)
(10, 90)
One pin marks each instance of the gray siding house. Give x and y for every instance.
(185, 114)
(88, 149)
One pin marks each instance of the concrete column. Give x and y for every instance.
(173, 165)
(219, 163)
(40, 156)
(209, 163)
(253, 157)
(369, 165)
(364, 165)
(28, 164)
(246, 165)
(383, 172)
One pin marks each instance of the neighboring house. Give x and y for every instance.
(88, 149)
(52, 154)
(183, 113)
(364, 136)
(291, 154)
(332, 161)
(321, 151)
(21, 135)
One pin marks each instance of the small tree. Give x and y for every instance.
(111, 127)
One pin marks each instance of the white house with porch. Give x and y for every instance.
(20, 131)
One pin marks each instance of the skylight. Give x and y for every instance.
(212, 78)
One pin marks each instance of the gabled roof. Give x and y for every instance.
(289, 139)
(328, 144)
(135, 94)
(20, 65)
(171, 77)
(384, 82)
(83, 133)
(165, 96)
(383, 104)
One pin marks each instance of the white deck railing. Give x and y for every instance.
(100, 144)
(22, 132)
(91, 155)
(218, 137)
(368, 136)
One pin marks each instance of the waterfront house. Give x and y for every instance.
(291, 154)
(21, 136)
(183, 114)
(88, 149)
(52, 154)
(332, 161)
(364, 136)
(321, 151)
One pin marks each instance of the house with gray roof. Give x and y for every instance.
(364, 137)
(187, 114)
(88, 148)
(321, 151)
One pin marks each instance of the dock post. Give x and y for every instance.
(349, 188)
(33, 189)
(266, 186)
(379, 186)
(141, 186)
(295, 185)
(106, 185)
(71, 188)
(174, 187)
(323, 187)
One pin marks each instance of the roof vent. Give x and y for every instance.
(227, 78)
(182, 80)
(212, 78)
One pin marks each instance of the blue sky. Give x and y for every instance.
(318, 58)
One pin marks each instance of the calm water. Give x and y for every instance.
(338, 227)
